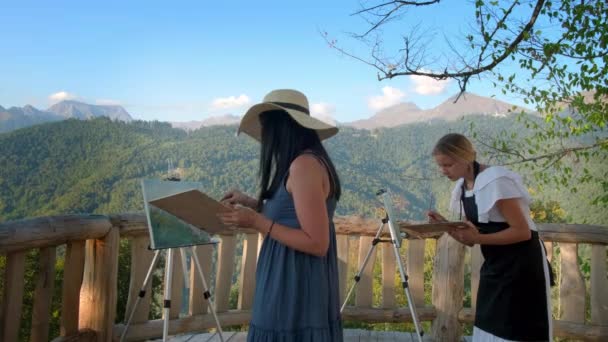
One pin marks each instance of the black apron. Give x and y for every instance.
(511, 300)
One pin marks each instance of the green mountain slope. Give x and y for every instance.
(95, 166)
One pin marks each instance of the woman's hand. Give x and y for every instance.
(468, 235)
(243, 217)
(234, 197)
(435, 217)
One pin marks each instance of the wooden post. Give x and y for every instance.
(87, 289)
(225, 268)
(415, 270)
(388, 276)
(248, 266)
(599, 285)
(43, 295)
(98, 293)
(177, 284)
(342, 244)
(198, 304)
(72, 280)
(572, 287)
(141, 257)
(365, 285)
(12, 301)
(448, 289)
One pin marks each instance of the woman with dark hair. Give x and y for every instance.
(513, 300)
(296, 296)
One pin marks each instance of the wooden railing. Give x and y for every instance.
(89, 286)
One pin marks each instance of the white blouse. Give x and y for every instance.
(493, 184)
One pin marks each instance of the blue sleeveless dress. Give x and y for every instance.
(296, 295)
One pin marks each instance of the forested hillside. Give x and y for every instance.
(95, 166)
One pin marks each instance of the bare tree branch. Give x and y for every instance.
(386, 16)
(499, 25)
(428, 178)
(500, 151)
(561, 153)
(387, 10)
(465, 75)
(333, 45)
(397, 4)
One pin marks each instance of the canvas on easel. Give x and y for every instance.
(180, 214)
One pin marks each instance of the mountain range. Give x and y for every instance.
(222, 120)
(20, 117)
(15, 117)
(83, 111)
(396, 115)
(449, 110)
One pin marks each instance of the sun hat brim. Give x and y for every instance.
(250, 123)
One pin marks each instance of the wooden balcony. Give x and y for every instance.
(90, 252)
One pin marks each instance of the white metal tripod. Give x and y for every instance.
(167, 299)
(395, 241)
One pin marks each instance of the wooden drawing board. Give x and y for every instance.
(427, 229)
(195, 208)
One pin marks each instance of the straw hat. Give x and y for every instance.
(291, 102)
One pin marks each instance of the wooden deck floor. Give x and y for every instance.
(350, 335)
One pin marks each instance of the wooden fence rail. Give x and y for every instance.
(90, 276)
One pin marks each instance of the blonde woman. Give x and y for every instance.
(513, 302)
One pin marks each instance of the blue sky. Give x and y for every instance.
(180, 61)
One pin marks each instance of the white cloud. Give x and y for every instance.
(427, 86)
(324, 112)
(108, 102)
(61, 96)
(230, 102)
(390, 97)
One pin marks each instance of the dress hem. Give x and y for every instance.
(332, 332)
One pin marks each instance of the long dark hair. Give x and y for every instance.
(283, 140)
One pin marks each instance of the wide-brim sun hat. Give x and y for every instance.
(293, 103)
